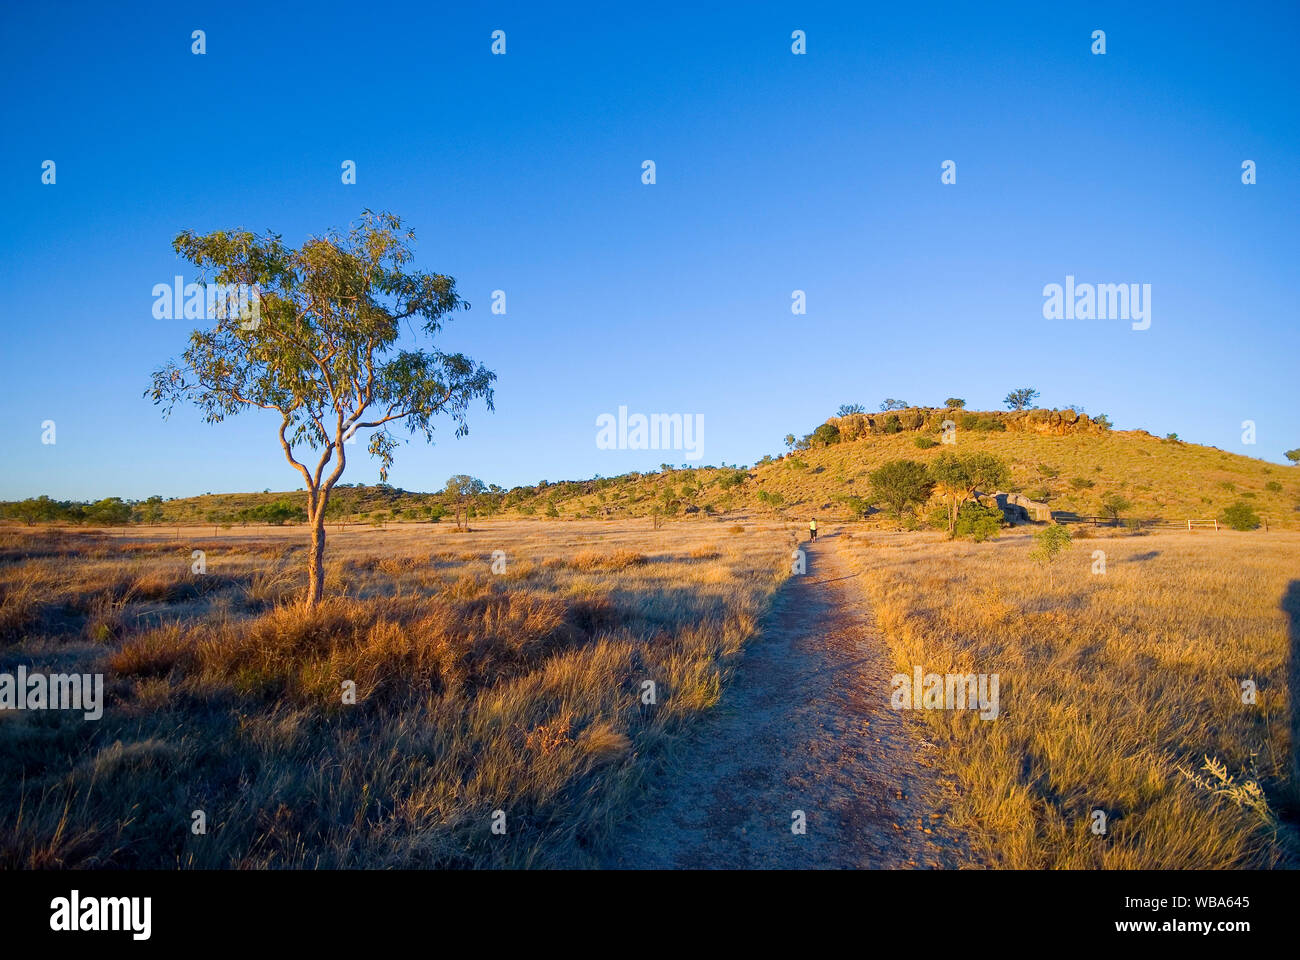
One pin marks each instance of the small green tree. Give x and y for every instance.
(850, 408)
(1294, 456)
(1050, 542)
(957, 478)
(1020, 398)
(900, 484)
(1240, 516)
(1113, 504)
(462, 491)
(955, 403)
(889, 403)
(789, 441)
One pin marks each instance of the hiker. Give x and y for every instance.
(812, 529)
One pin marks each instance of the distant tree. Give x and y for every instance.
(1113, 504)
(152, 511)
(954, 403)
(1294, 456)
(790, 441)
(1102, 421)
(900, 484)
(850, 408)
(327, 351)
(957, 478)
(109, 512)
(1021, 398)
(889, 403)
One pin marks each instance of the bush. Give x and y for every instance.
(954, 403)
(986, 423)
(900, 484)
(978, 522)
(1240, 516)
(1273, 487)
(826, 435)
(925, 443)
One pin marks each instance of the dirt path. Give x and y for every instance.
(805, 724)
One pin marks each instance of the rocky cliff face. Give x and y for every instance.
(932, 419)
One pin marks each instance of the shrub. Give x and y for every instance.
(857, 506)
(954, 403)
(1273, 487)
(925, 443)
(978, 522)
(900, 484)
(826, 435)
(730, 477)
(1080, 483)
(1240, 516)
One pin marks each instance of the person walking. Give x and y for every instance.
(812, 529)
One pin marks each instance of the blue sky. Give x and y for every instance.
(775, 172)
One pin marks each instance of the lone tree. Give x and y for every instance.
(1113, 504)
(1294, 456)
(325, 350)
(1021, 398)
(900, 484)
(463, 491)
(889, 403)
(848, 409)
(954, 403)
(958, 477)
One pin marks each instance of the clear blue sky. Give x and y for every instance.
(775, 172)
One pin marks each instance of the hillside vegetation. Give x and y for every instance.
(1063, 458)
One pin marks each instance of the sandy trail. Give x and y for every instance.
(805, 724)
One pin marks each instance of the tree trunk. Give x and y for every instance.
(316, 557)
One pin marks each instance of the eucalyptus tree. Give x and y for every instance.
(330, 349)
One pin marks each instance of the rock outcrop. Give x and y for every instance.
(1054, 422)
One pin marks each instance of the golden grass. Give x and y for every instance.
(1119, 692)
(475, 691)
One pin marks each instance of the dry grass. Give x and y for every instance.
(1120, 692)
(475, 690)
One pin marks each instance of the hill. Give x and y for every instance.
(1064, 458)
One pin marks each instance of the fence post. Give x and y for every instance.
(1216, 524)
(1189, 526)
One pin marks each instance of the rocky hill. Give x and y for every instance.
(1059, 457)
